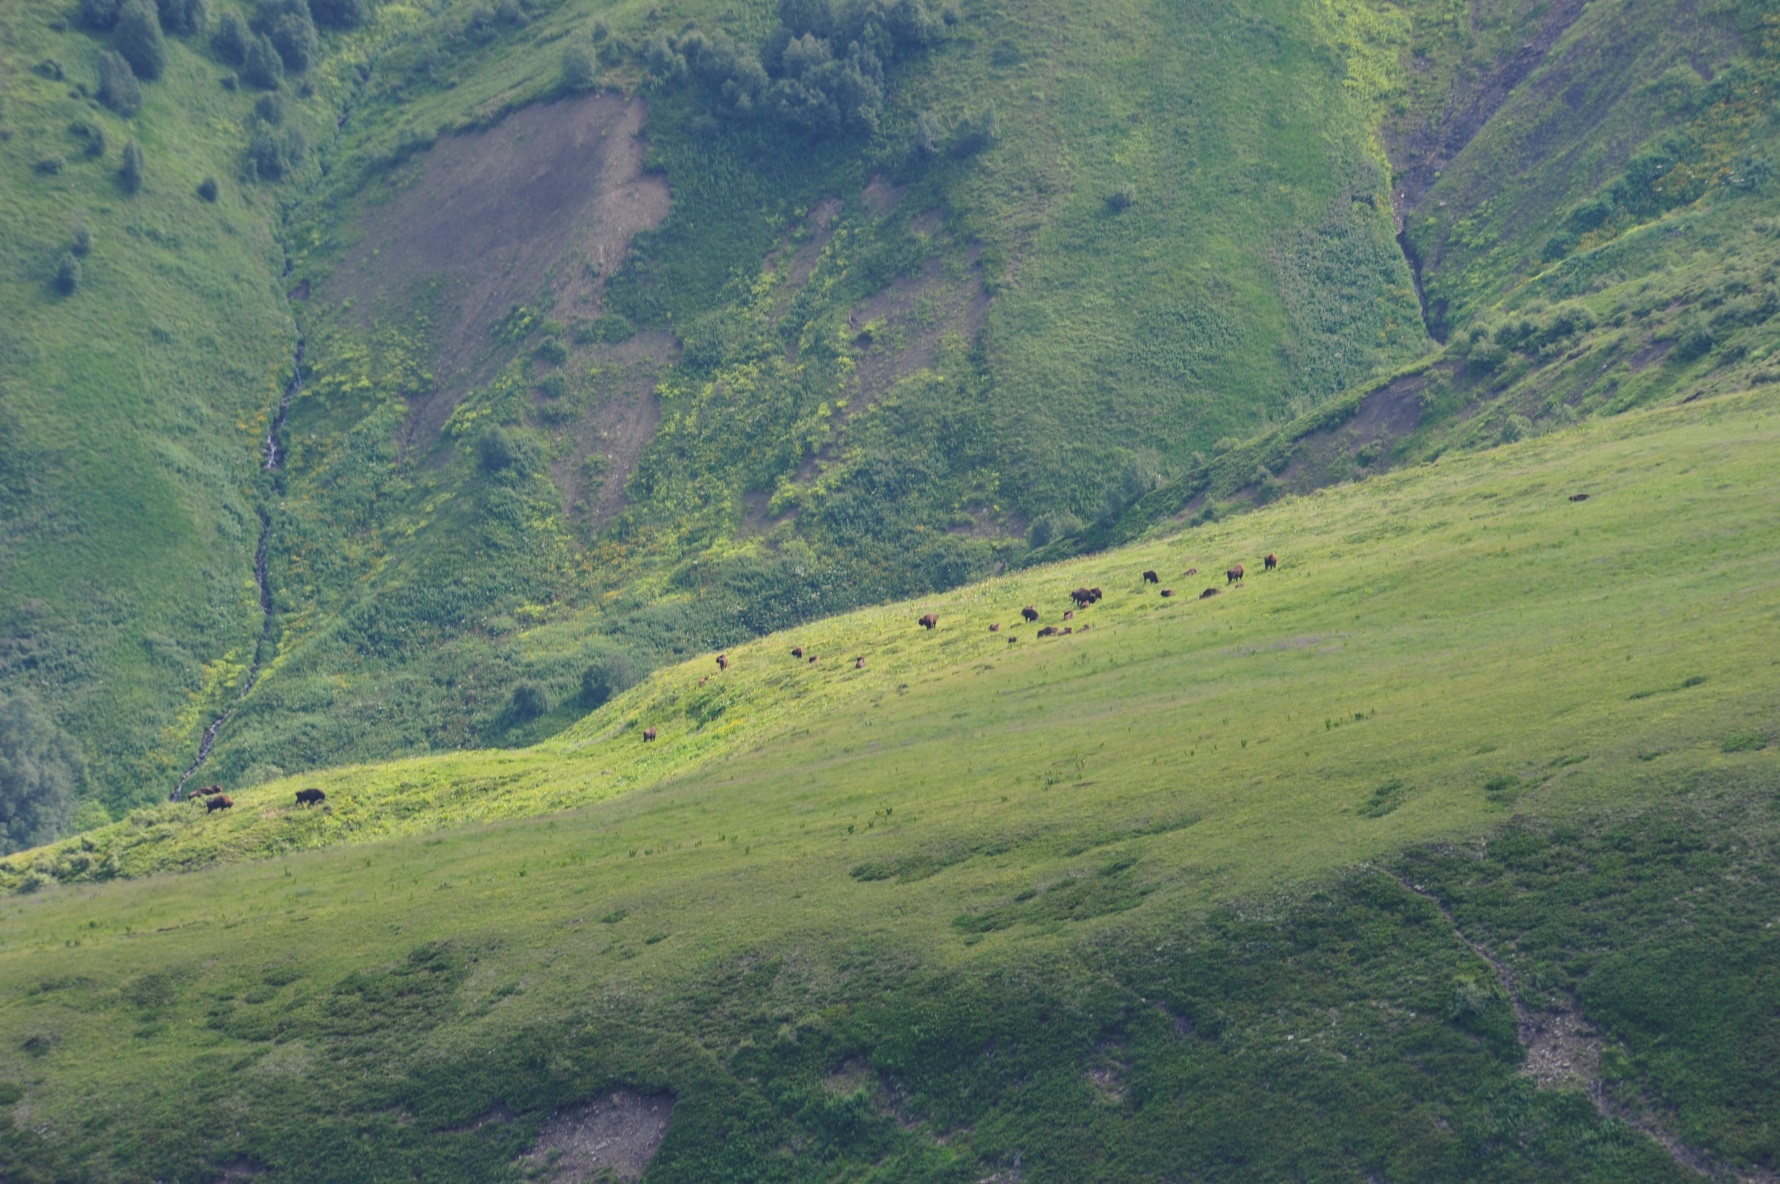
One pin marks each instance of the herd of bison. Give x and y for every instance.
(215, 799)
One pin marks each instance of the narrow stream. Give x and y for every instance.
(273, 455)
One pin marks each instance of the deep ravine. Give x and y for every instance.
(272, 455)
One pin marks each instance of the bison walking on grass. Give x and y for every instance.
(1271, 562)
(723, 661)
(220, 801)
(1030, 613)
(1167, 592)
(1233, 575)
(928, 621)
(1150, 577)
(648, 734)
(1209, 593)
(310, 797)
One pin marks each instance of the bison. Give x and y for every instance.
(1191, 571)
(1271, 562)
(1233, 575)
(1011, 639)
(995, 628)
(723, 661)
(859, 663)
(1167, 592)
(1068, 629)
(648, 734)
(1069, 615)
(1048, 631)
(928, 621)
(797, 651)
(1150, 577)
(1097, 593)
(1579, 497)
(1209, 593)
(813, 659)
(220, 801)
(1082, 597)
(1030, 613)
(1085, 628)
(310, 797)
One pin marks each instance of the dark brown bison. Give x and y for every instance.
(859, 663)
(1167, 592)
(1068, 629)
(648, 734)
(220, 801)
(1233, 575)
(1150, 577)
(723, 661)
(1097, 593)
(928, 621)
(1011, 639)
(1085, 628)
(813, 659)
(1069, 614)
(1579, 497)
(1030, 613)
(1082, 597)
(310, 797)
(995, 628)
(1271, 562)
(1191, 571)
(1048, 631)
(1209, 593)
(797, 651)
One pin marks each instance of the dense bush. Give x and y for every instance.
(578, 73)
(41, 772)
(261, 65)
(139, 38)
(976, 132)
(609, 675)
(184, 18)
(1047, 528)
(98, 15)
(230, 41)
(118, 88)
(338, 14)
(498, 450)
(129, 172)
(270, 109)
(67, 273)
(528, 702)
(207, 189)
(275, 152)
(291, 28)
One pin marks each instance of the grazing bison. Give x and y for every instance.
(1233, 575)
(1167, 592)
(1150, 577)
(797, 651)
(1191, 571)
(648, 734)
(1011, 639)
(928, 621)
(995, 628)
(1068, 629)
(1030, 613)
(1271, 562)
(220, 801)
(723, 661)
(1048, 631)
(1209, 593)
(1082, 597)
(1085, 628)
(813, 658)
(1069, 614)
(859, 663)
(1097, 593)
(310, 797)
(1579, 497)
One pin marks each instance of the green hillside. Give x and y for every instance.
(1155, 896)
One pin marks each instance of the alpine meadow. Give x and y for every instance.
(942, 591)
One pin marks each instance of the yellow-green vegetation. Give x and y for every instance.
(1126, 902)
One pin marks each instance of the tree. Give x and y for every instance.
(270, 109)
(529, 702)
(263, 67)
(231, 40)
(291, 27)
(129, 173)
(609, 675)
(577, 70)
(99, 15)
(276, 152)
(67, 273)
(338, 14)
(118, 88)
(139, 38)
(41, 773)
(184, 18)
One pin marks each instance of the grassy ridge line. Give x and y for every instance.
(1537, 618)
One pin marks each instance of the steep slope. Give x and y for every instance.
(1119, 903)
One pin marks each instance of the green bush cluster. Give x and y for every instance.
(118, 87)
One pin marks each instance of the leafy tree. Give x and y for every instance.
(139, 38)
(129, 172)
(578, 73)
(262, 66)
(99, 15)
(291, 27)
(41, 772)
(184, 18)
(338, 14)
(276, 152)
(67, 273)
(230, 41)
(118, 88)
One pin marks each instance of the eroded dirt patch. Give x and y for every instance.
(1383, 417)
(615, 1136)
(545, 203)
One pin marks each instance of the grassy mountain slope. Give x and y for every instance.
(1128, 903)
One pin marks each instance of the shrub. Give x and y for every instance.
(118, 88)
(976, 133)
(291, 28)
(1047, 528)
(578, 73)
(261, 66)
(270, 109)
(610, 675)
(184, 18)
(1695, 343)
(67, 273)
(207, 189)
(83, 240)
(1516, 427)
(1122, 198)
(96, 142)
(41, 774)
(139, 38)
(129, 172)
(230, 41)
(528, 702)
(98, 15)
(497, 450)
(551, 352)
(275, 153)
